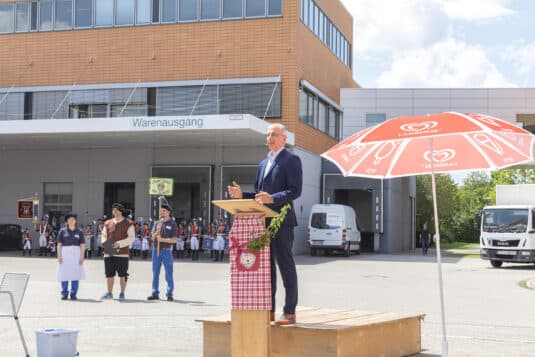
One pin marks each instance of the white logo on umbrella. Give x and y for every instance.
(417, 127)
(439, 156)
(384, 151)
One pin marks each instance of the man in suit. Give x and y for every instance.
(279, 181)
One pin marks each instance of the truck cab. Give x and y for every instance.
(508, 234)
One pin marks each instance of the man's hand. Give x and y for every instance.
(81, 261)
(234, 191)
(263, 198)
(116, 245)
(60, 260)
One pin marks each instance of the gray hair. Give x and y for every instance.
(279, 126)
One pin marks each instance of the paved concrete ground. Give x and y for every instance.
(488, 314)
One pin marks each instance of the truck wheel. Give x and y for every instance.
(313, 252)
(357, 252)
(347, 251)
(326, 252)
(496, 263)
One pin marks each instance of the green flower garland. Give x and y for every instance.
(264, 239)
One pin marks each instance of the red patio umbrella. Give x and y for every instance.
(436, 143)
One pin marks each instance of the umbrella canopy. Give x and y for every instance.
(444, 142)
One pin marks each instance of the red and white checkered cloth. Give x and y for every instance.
(250, 279)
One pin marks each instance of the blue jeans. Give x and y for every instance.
(165, 258)
(65, 287)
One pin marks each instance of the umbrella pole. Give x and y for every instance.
(439, 265)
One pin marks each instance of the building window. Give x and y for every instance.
(63, 15)
(275, 8)
(6, 18)
(84, 13)
(168, 10)
(57, 197)
(131, 110)
(22, 19)
(316, 20)
(103, 13)
(143, 11)
(155, 11)
(210, 9)
(255, 8)
(232, 9)
(373, 119)
(319, 114)
(188, 10)
(82, 111)
(124, 12)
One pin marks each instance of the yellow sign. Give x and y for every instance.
(159, 186)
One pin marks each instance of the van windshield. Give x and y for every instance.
(505, 220)
(325, 221)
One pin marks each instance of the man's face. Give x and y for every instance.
(275, 138)
(71, 221)
(116, 213)
(164, 213)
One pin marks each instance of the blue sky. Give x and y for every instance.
(443, 43)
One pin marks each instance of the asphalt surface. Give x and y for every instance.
(487, 312)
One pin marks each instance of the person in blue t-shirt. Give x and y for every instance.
(167, 234)
(71, 249)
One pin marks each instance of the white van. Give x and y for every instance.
(333, 228)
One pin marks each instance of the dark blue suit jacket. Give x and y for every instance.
(283, 182)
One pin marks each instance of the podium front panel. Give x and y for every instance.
(250, 278)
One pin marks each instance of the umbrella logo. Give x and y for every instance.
(439, 156)
(419, 127)
(487, 142)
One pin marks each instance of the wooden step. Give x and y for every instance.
(327, 332)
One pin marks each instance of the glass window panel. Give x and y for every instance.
(131, 110)
(303, 98)
(45, 15)
(155, 11)
(169, 11)
(143, 11)
(304, 11)
(99, 110)
(373, 119)
(316, 19)
(275, 7)
(22, 19)
(210, 9)
(254, 8)
(232, 9)
(188, 10)
(124, 13)
(33, 16)
(63, 14)
(332, 123)
(84, 13)
(322, 117)
(6, 18)
(103, 13)
(311, 14)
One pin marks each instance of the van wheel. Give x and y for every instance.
(326, 252)
(496, 263)
(357, 252)
(313, 252)
(347, 252)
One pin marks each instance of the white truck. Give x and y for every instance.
(508, 229)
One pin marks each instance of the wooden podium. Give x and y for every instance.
(250, 279)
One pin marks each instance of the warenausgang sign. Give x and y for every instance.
(189, 123)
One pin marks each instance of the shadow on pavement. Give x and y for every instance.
(94, 301)
(371, 257)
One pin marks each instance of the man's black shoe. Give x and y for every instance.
(153, 297)
(169, 298)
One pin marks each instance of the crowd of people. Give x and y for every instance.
(193, 239)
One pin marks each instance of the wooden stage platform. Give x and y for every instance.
(326, 333)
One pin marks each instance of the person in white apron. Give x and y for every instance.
(71, 248)
(51, 245)
(89, 232)
(43, 232)
(219, 243)
(194, 239)
(26, 242)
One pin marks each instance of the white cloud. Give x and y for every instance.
(445, 64)
(476, 9)
(383, 26)
(521, 55)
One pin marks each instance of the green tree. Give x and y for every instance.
(473, 195)
(512, 176)
(447, 203)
